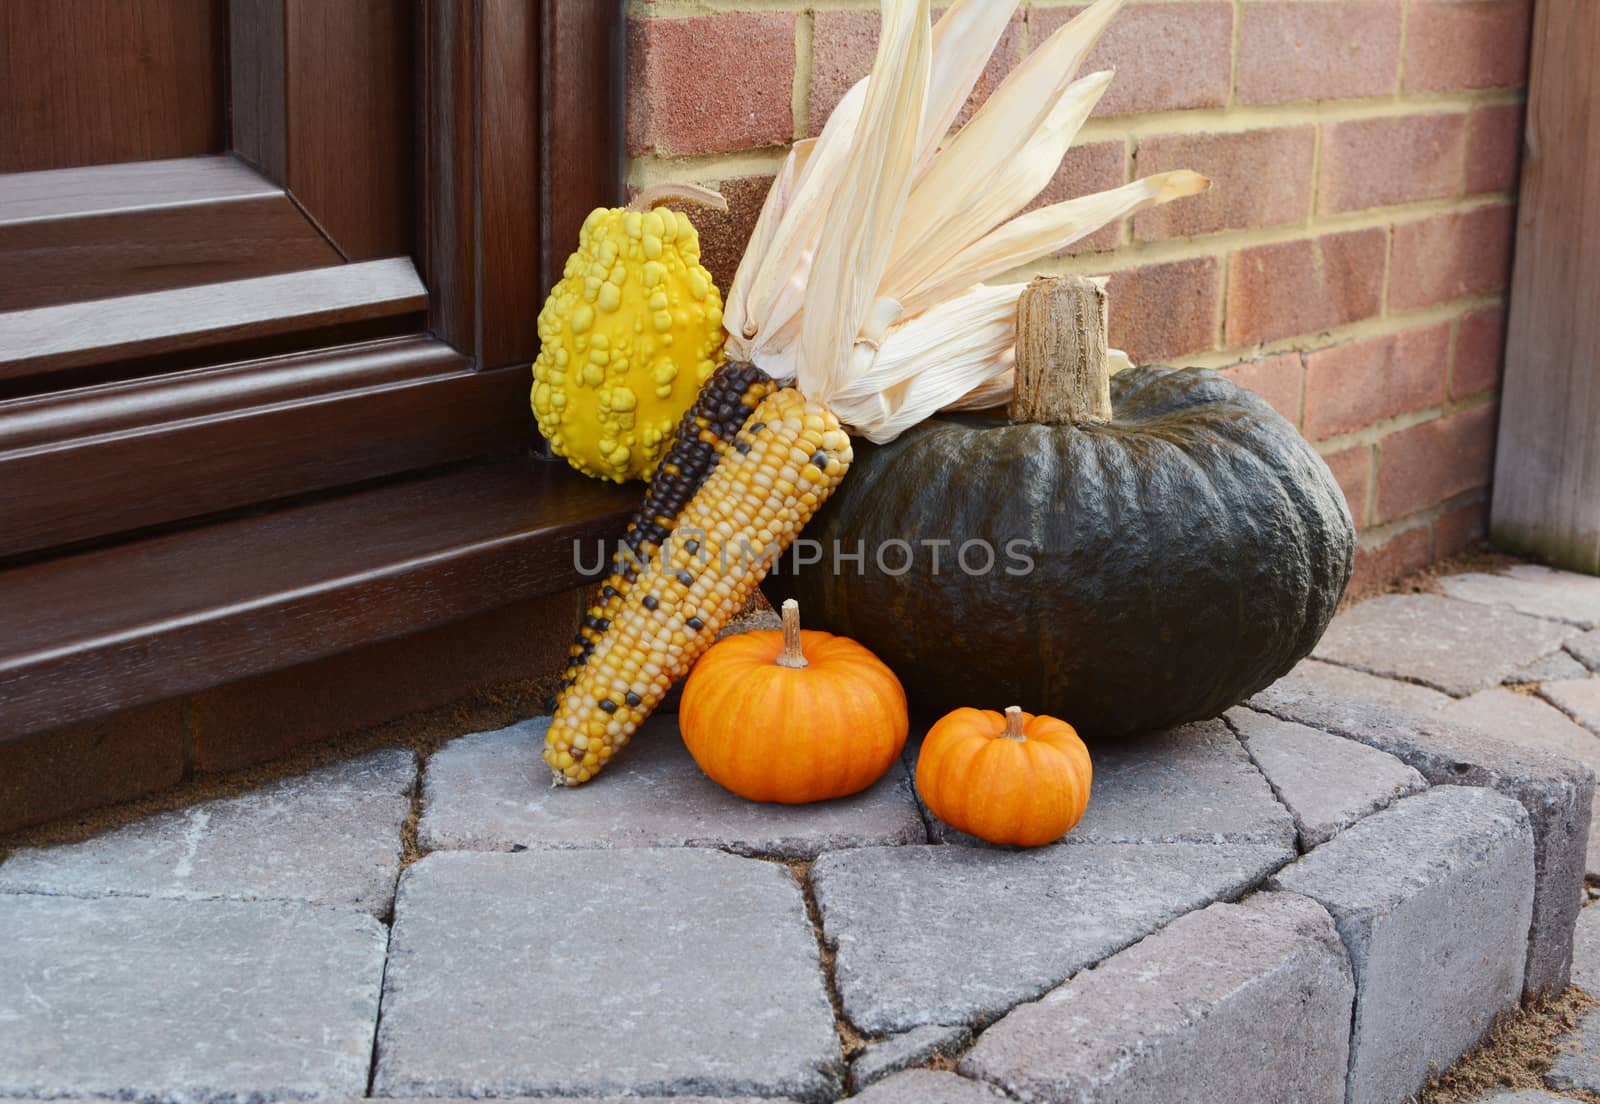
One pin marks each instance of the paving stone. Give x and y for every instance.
(911, 1048)
(194, 1001)
(1579, 698)
(1586, 952)
(1556, 791)
(1234, 1002)
(666, 971)
(1315, 674)
(1532, 589)
(1556, 665)
(1577, 1061)
(941, 935)
(1433, 898)
(929, 1087)
(1523, 1096)
(491, 792)
(1586, 649)
(1327, 782)
(1450, 645)
(331, 836)
(1529, 722)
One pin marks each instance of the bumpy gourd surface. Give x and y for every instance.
(627, 338)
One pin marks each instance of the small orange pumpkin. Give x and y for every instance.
(1017, 779)
(792, 716)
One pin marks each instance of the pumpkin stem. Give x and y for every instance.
(1014, 724)
(657, 194)
(791, 655)
(1062, 375)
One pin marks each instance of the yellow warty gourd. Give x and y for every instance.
(627, 337)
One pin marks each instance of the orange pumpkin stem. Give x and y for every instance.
(1014, 724)
(791, 656)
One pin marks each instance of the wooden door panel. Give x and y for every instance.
(129, 328)
(95, 82)
(204, 440)
(107, 230)
(322, 103)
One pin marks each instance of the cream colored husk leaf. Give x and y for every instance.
(863, 279)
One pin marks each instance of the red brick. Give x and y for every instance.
(1480, 352)
(1278, 379)
(1258, 178)
(1302, 287)
(711, 83)
(1494, 148)
(1383, 561)
(724, 234)
(1453, 44)
(843, 44)
(1378, 162)
(1460, 529)
(56, 774)
(1429, 463)
(1354, 385)
(1447, 256)
(1085, 170)
(1304, 50)
(262, 718)
(1167, 56)
(1162, 311)
(1352, 467)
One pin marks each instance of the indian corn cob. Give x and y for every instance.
(707, 430)
(781, 465)
(861, 297)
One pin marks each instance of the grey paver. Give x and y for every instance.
(1586, 952)
(1318, 675)
(1433, 899)
(1527, 721)
(1327, 782)
(1586, 649)
(1579, 698)
(193, 1001)
(929, 1087)
(938, 934)
(330, 836)
(1556, 792)
(491, 792)
(1454, 646)
(1532, 589)
(1194, 784)
(1235, 1002)
(910, 1048)
(1577, 1061)
(651, 970)
(1522, 1096)
(1556, 665)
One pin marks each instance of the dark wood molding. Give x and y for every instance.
(209, 439)
(95, 82)
(86, 635)
(108, 230)
(159, 323)
(521, 141)
(322, 103)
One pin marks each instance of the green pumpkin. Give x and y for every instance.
(1184, 554)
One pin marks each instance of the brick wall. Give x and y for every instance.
(1350, 262)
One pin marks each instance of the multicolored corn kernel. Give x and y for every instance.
(708, 428)
(785, 462)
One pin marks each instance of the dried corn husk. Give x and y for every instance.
(864, 279)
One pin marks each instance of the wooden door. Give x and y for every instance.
(259, 261)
